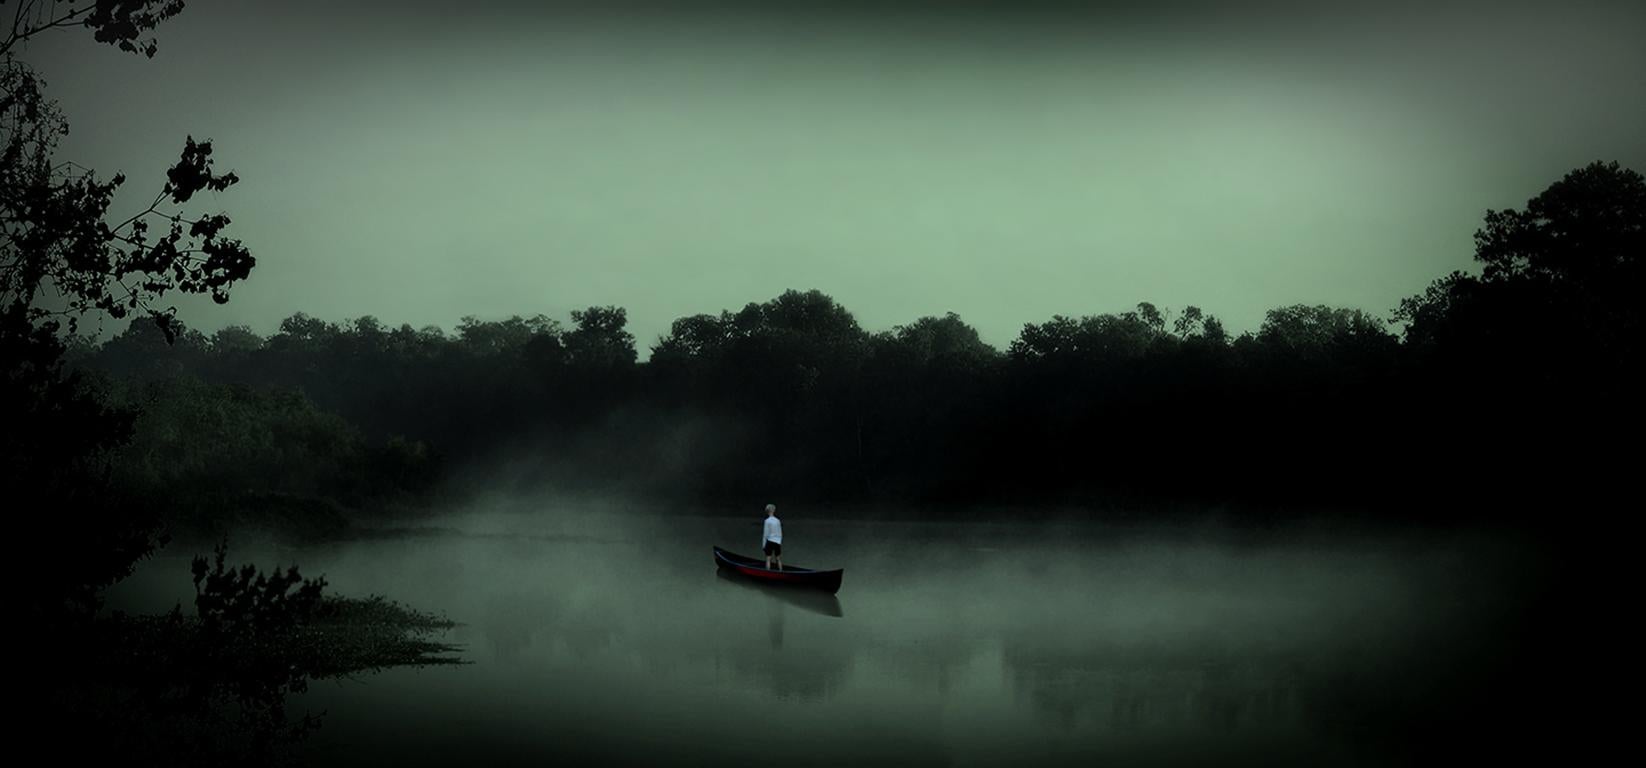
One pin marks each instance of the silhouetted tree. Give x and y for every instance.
(63, 253)
(599, 339)
(1559, 288)
(1526, 361)
(1589, 229)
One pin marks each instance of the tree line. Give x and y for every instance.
(1484, 390)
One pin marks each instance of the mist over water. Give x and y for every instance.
(602, 636)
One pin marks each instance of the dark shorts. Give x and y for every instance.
(773, 549)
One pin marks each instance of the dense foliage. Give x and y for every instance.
(1479, 397)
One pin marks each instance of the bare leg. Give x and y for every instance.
(768, 562)
(780, 562)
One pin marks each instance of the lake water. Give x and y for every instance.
(613, 638)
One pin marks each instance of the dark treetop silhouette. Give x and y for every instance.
(1320, 407)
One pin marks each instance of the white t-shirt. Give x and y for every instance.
(774, 531)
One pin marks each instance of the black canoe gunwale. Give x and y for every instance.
(790, 575)
(760, 563)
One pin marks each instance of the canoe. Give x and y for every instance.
(790, 576)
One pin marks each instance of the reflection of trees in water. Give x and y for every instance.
(1449, 693)
(587, 633)
(506, 631)
(783, 644)
(529, 605)
(933, 663)
(789, 644)
(1453, 691)
(515, 623)
(1138, 691)
(813, 674)
(808, 665)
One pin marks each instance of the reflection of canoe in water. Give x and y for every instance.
(810, 600)
(790, 576)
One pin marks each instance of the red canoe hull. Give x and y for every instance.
(790, 576)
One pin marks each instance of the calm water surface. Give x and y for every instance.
(613, 638)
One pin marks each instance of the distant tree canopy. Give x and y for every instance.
(945, 342)
(792, 398)
(809, 324)
(786, 395)
(215, 457)
(1307, 331)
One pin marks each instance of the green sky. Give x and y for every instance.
(423, 166)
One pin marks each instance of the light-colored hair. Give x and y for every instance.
(771, 509)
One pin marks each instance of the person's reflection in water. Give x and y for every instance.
(774, 624)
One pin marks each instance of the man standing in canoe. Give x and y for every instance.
(771, 542)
